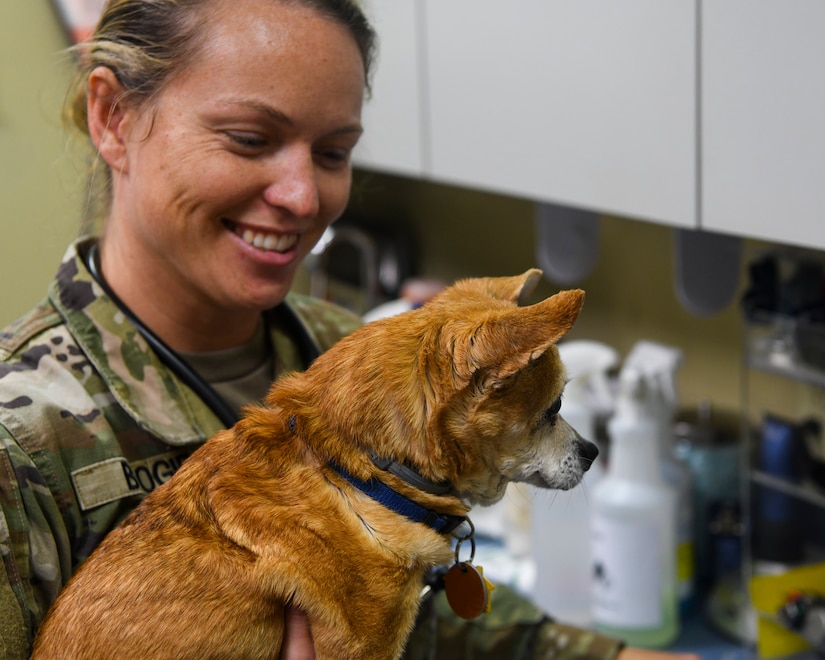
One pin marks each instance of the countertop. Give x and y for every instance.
(699, 637)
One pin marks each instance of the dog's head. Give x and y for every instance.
(466, 389)
(496, 384)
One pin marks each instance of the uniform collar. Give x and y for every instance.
(145, 388)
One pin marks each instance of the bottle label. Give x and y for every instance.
(628, 579)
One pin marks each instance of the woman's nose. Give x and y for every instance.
(293, 185)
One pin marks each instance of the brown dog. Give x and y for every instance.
(295, 506)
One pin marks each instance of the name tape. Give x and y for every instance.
(116, 478)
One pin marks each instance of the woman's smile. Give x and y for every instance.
(264, 240)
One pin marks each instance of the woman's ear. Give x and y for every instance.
(106, 113)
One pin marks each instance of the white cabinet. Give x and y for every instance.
(588, 103)
(393, 140)
(647, 109)
(763, 119)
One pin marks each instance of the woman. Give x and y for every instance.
(223, 132)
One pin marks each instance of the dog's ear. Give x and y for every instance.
(511, 289)
(505, 343)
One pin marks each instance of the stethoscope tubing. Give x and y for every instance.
(179, 366)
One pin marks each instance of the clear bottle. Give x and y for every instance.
(634, 529)
(676, 471)
(560, 520)
(658, 364)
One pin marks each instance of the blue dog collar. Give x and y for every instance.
(383, 494)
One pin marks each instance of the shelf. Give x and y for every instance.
(803, 492)
(801, 373)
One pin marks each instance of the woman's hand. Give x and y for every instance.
(297, 637)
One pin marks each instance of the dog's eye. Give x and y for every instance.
(550, 414)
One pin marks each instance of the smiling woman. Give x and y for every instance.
(222, 134)
(235, 167)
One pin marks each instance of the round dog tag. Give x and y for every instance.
(468, 591)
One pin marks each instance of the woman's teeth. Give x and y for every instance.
(269, 242)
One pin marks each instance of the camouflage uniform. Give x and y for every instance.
(91, 420)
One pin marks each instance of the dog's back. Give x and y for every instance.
(205, 566)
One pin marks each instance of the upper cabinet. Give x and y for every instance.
(393, 140)
(763, 119)
(687, 113)
(590, 103)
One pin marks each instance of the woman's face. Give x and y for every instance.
(235, 170)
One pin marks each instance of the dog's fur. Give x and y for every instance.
(462, 390)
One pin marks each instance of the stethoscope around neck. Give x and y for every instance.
(285, 315)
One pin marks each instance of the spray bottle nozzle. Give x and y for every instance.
(587, 364)
(657, 363)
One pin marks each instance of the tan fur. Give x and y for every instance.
(257, 519)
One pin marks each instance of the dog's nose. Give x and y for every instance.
(588, 453)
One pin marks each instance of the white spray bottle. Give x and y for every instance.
(658, 364)
(560, 520)
(634, 528)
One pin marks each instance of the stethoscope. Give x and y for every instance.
(284, 314)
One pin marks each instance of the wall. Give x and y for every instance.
(41, 172)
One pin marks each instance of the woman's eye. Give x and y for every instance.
(246, 140)
(334, 158)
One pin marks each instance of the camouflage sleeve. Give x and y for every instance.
(29, 532)
(514, 628)
(325, 321)
(14, 638)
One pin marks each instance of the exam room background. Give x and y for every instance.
(459, 232)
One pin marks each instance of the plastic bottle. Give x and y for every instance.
(560, 520)
(634, 529)
(658, 364)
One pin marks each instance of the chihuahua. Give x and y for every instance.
(339, 492)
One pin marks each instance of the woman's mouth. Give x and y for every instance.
(266, 241)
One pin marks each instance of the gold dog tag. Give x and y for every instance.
(468, 591)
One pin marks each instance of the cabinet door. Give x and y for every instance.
(589, 103)
(763, 120)
(392, 140)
